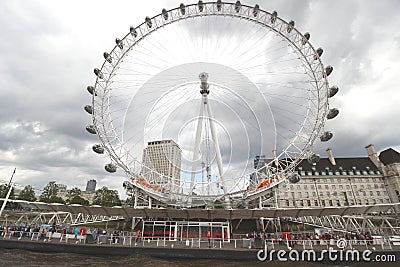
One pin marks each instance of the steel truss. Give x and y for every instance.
(67, 218)
(376, 225)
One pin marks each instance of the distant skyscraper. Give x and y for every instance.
(91, 186)
(163, 157)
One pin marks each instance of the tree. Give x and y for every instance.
(3, 193)
(49, 194)
(4, 190)
(27, 194)
(75, 197)
(106, 197)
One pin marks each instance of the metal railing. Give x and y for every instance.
(130, 239)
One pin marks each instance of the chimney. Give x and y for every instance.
(330, 156)
(373, 156)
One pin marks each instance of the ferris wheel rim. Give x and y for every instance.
(230, 10)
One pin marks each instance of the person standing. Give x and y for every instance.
(209, 238)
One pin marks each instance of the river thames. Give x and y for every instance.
(15, 257)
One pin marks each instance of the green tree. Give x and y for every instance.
(75, 197)
(49, 194)
(27, 194)
(3, 193)
(106, 197)
(4, 190)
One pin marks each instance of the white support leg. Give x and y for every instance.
(197, 144)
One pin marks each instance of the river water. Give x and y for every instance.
(15, 257)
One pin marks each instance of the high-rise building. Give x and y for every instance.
(91, 186)
(164, 157)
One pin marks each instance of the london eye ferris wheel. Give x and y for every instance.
(186, 100)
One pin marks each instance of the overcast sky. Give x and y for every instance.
(48, 50)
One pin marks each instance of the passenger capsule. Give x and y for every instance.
(332, 113)
(98, 149)
(107, 57)
(119, 43)
(98, 73)
(326, 136)
(164, 13)
(91, 129)
(219, 5)
(274, 15)
(127, 185)
(333, 91)
(182, 8)
(238, 5)
(133, 31)
(148, 22)
(110, 167)
(91, 90)
(306, 37)
(290, 26)
(328, 70)
(256, 10)
(89, 109)
(201, 6)
(313, 159)
(318, 53)
(294, 178)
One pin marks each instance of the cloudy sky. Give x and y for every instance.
(48, 50)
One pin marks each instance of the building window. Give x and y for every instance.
(308, 202)
(378, 193)
(316, 203)
(326, 187)
(305, 186)
(330, 202)
(371, 193)
(314, 195)
(334, 187)
(298, 187)
(348, 187)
